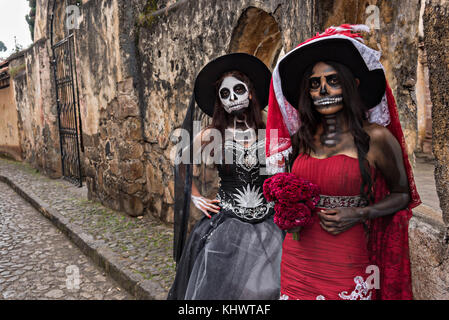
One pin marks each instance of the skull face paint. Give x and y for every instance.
(325, 89)
(234, 95)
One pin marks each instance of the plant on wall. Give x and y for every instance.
(2, 47)
(31, 17)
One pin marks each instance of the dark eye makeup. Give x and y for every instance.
(332, 80)
(224, 93)
(239, 88)
(314, 83)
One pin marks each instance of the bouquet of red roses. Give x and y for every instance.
(295, 199)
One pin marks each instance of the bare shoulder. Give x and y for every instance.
(382, 141)
(379, 135)
(377, 132)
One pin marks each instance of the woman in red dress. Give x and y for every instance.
(330, 97)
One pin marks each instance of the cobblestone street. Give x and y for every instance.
(139, 248)
(38, 262)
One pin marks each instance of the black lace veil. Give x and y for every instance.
(188, 171)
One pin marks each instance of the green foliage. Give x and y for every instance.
(145, 18)
(13, 71)
(31, 17)
(2, 47)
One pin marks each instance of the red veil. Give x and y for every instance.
(388, 244)
(388, 236)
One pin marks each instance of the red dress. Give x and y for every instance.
(388, 243)
(321, 265)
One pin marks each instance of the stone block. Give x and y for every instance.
(436, 29)
(169, 215)
(127, 107)
(130, 150)
(126, 87)
(133, 206)
(428, 257)
(131, 188)
(114, 167)
(92, 153)
(133, 129)
(131, 170)
(169, 193)
(154, 180)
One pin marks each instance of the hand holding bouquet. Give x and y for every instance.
(295, 199)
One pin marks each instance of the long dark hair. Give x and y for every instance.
(354, 114)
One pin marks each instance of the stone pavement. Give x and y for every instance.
(38, 262)
(135, 252)
(425, 183)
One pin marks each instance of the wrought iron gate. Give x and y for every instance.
(69, 119)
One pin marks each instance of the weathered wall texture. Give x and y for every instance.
(124, 45)
(424, 103)
(9, 124)
(423, 99)
(40, 25)
(110, 114)
(97, 60)
(36, 106)
(436, 40)
(429, 257)
(396, 38)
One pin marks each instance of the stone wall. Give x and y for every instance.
(436, 40)
(436, 43)
(133, 45)
(41, 25)
(110, 115)
(167, 59)
(35, 100)
(9, 124)
(115, 173)
(36, 107)
(429, 254)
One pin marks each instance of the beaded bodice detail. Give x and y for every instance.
(241, 185)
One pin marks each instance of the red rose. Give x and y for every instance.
(295, 199)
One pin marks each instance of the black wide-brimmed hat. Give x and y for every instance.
(252, 67)
(339, 49)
